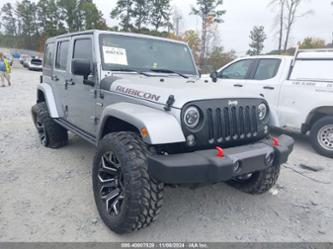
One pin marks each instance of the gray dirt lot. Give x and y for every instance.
(46, 195)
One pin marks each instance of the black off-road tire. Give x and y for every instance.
(260, 182)
(315, 136)
(143, 196)
(52, 135)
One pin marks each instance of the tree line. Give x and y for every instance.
(27, 24)
(31, 23)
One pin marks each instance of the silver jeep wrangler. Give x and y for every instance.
(140, 100)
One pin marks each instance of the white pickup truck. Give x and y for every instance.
(299, 90)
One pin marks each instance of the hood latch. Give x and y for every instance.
(169, 103)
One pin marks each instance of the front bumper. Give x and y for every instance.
(205, 167)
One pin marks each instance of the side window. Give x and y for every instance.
(62, 55)
(314, 70)
(267, 69)
(49, 55)
(238, 70)
(83, 49)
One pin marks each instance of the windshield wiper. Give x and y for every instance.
(168, 71)
(131, 70)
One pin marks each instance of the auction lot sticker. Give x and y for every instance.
(113, 55)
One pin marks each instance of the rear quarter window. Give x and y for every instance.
(313, 70)
(49, 55)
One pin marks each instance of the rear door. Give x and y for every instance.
(49, 53)
(265, 79)
(236, 74)
(81, 99)
(60, 73)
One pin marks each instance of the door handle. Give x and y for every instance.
(269, 87)
(238, 85)
(55, 78)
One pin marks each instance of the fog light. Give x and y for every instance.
(190, 140)
(237, 166)
(269, 159)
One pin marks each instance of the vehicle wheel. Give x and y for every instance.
(127, 198)
(258, 182)
(321, 136)
(50, 133)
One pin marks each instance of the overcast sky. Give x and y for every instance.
(242, 15)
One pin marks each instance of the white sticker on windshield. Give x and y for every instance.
(114, 55)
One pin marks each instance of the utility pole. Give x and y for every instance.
(178, 18)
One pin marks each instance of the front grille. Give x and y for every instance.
(232, 123)
(227, 125)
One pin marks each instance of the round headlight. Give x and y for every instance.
(262, 111)
(192, 117)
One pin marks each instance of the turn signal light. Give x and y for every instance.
(220, 152)
(144, 132)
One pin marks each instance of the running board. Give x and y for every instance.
(77, 131)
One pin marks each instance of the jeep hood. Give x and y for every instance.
(158, 89)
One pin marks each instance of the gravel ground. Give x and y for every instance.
(46, 195)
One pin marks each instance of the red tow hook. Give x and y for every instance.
(276, 142)
(220, 152)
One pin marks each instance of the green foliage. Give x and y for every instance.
(218, 58)
(70, 12)
(192, 38)
(289, 51)
(141, 12)
(258, 38)
(137, 15)
(32, 23)
(209, 11)
(8, 19)
(49, 18)
(91, 17)
(26, 12)
(312, 42)
(124, 12)
(160, 14)
(209, 8)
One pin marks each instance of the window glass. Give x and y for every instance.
(238, 70)
(317, 70)
(49, 55)
(62, 55)
(83, 49)
(145, 54)
(267, 69)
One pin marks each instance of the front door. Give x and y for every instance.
(236, 74)
(81, 99)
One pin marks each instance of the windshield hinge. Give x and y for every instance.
(169, 103)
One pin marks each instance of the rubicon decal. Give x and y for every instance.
(137, 93)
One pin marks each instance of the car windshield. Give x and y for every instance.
(145, 55)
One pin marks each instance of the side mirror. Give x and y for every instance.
(214, 76)
(82, 67)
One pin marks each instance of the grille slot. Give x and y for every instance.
(232, 123)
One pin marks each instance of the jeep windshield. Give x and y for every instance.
(141, 54)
